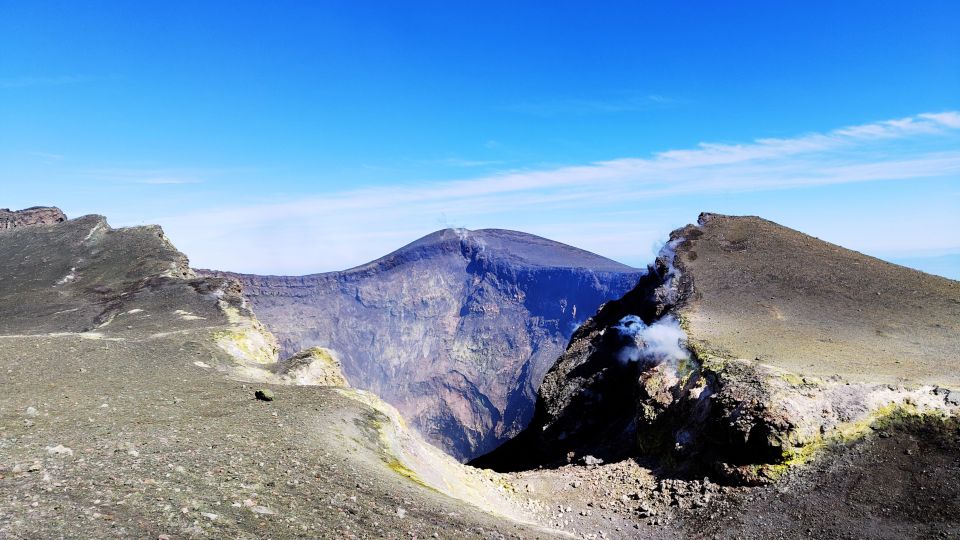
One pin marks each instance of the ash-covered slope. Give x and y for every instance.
(794, 343)
(757, 290)
(126, 412)
(455, 329)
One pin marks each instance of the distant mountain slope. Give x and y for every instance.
(455, 329)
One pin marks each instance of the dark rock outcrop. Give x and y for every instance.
(35, 215)
(786, 348)
(456, 329)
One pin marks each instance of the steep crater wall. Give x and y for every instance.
(456, 329)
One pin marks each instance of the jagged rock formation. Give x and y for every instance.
(793, 343)
(35, 215)
(456, 329)
(314, 366)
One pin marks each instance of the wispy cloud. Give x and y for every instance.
(47, 156)
(167, 180)
(59, 80)
(356, 225)
(587, 106)
(459, 162)
(150, 176)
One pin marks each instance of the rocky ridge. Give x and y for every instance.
(456, 329)
(741, 410)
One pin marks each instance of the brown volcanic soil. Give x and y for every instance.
(763, 291)
(903, 482)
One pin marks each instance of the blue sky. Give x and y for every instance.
(296, 137)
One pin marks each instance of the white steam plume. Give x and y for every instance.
(662, 341)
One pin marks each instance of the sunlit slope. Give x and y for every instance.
(756, 290)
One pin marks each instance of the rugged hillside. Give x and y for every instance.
(456, 329)
(126, 411)
(746, 349)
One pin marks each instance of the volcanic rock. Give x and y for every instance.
(789, 348)
(36, 215)
(455, 329)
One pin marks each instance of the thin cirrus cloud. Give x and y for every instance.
(150, 176)
(581, 106)
(354, 226)
(30, 81)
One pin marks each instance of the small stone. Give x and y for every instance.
(59, 450)
(401, 513)
(953, 398)
(262, 510)
(31, 412)
(590, 460)
(264, 394)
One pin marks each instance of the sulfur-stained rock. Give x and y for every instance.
(314, 366)
(264, 394)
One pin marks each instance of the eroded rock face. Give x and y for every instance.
(757, 389)
(86, 278)
(456, 329)
(36, 215)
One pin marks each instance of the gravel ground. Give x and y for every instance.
(122, 439)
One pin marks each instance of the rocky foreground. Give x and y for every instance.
(128, 408)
